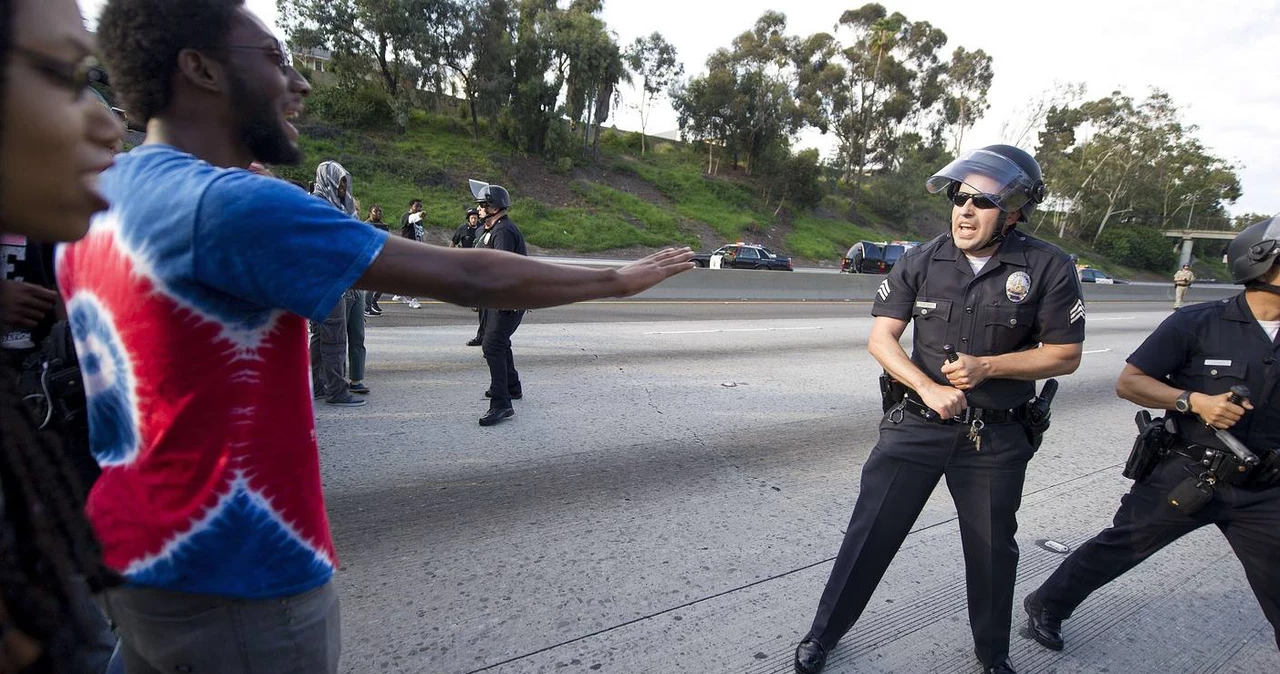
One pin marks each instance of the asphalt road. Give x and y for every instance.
(674, 486)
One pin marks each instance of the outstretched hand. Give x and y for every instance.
(654, 269)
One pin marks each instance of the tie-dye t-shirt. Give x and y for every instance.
(187, 300)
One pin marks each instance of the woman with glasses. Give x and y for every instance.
(55, 141)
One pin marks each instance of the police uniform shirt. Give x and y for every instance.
(1208, 348)
(506, 236)
(1027, 293)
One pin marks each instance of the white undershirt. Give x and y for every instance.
(977, 262)
(1272, 328)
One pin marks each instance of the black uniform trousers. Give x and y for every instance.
(1145, 523)
(504, 381)
(897, 479)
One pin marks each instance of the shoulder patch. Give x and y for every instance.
(884, 290)
(1077, 311)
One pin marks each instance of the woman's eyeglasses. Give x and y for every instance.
(73, 76)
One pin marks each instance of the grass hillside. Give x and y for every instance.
(624, 205)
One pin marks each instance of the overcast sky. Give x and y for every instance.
(1217, 60)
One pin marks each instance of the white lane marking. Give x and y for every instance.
(706, 332)
(1112, 318)
(1096, 351)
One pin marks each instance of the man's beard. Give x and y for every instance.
(259, 128)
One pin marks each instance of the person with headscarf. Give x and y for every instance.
(339, 338)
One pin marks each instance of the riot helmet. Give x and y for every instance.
(472, 211)
(1254, 251)
(1016, 183)
(494, 195)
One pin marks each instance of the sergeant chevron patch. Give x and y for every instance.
(883, 292)
(1077, 311)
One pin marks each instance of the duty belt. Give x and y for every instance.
(1228, 467)
(916, 406)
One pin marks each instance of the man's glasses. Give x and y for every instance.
(283, 58)
(981, 202)
(74, 77)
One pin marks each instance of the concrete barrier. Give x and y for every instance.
(738, 284)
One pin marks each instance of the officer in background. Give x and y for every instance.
(1011, 305)
(1181, 281)
(465, 235)
(1188, 366)
(499, 324)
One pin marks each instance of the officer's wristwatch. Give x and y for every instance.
(1183, 403)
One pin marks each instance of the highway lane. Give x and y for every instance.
(673, 487)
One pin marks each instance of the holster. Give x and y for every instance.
(892, 391)
(1267, 473)
(1038, 413)
(1151, 445)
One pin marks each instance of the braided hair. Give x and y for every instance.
(47, 546)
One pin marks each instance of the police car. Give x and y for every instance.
(1091, 275)
(743, 256)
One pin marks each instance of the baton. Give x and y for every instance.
(1248, 458)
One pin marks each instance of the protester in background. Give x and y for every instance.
(335, 340)
(371, 306)
(411, 228)
(54, 140)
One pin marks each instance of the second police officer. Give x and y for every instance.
(1011, 305)
(497, 325)
(1188, 366)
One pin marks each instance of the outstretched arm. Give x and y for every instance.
(496, 279)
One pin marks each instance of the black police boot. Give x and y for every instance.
(473, 342)
(811, 657)
(1043, 626)
(514, 395)
(494, 415)
(1000, 668)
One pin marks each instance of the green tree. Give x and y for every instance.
(968, 79)
(365, 36)
(653, 59)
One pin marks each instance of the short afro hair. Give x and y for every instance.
(140, 41)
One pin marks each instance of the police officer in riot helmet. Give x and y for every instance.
(465, 235)
(500, 233)
(1213, 459)
(994, 310)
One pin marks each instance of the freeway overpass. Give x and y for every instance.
(1189, 236)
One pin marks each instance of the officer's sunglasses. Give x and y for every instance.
(981, 201)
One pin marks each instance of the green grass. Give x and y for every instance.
(724, 206)
(826, 239)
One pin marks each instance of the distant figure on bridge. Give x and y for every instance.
(1181, 281)
(1188, 366)
(1012, 306)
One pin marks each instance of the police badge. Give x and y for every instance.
(1017, 287)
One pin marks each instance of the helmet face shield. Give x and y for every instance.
(989, 174)
(478, 189)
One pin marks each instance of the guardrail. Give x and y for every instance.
(736, 284)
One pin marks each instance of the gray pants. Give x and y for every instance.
(355, 332)
(163, 632)
(329, 352)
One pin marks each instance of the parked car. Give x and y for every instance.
(744, 256)
(1091, 275)
(867, 257)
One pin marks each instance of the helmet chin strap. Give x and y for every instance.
(997, 237)
(1264, 287)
